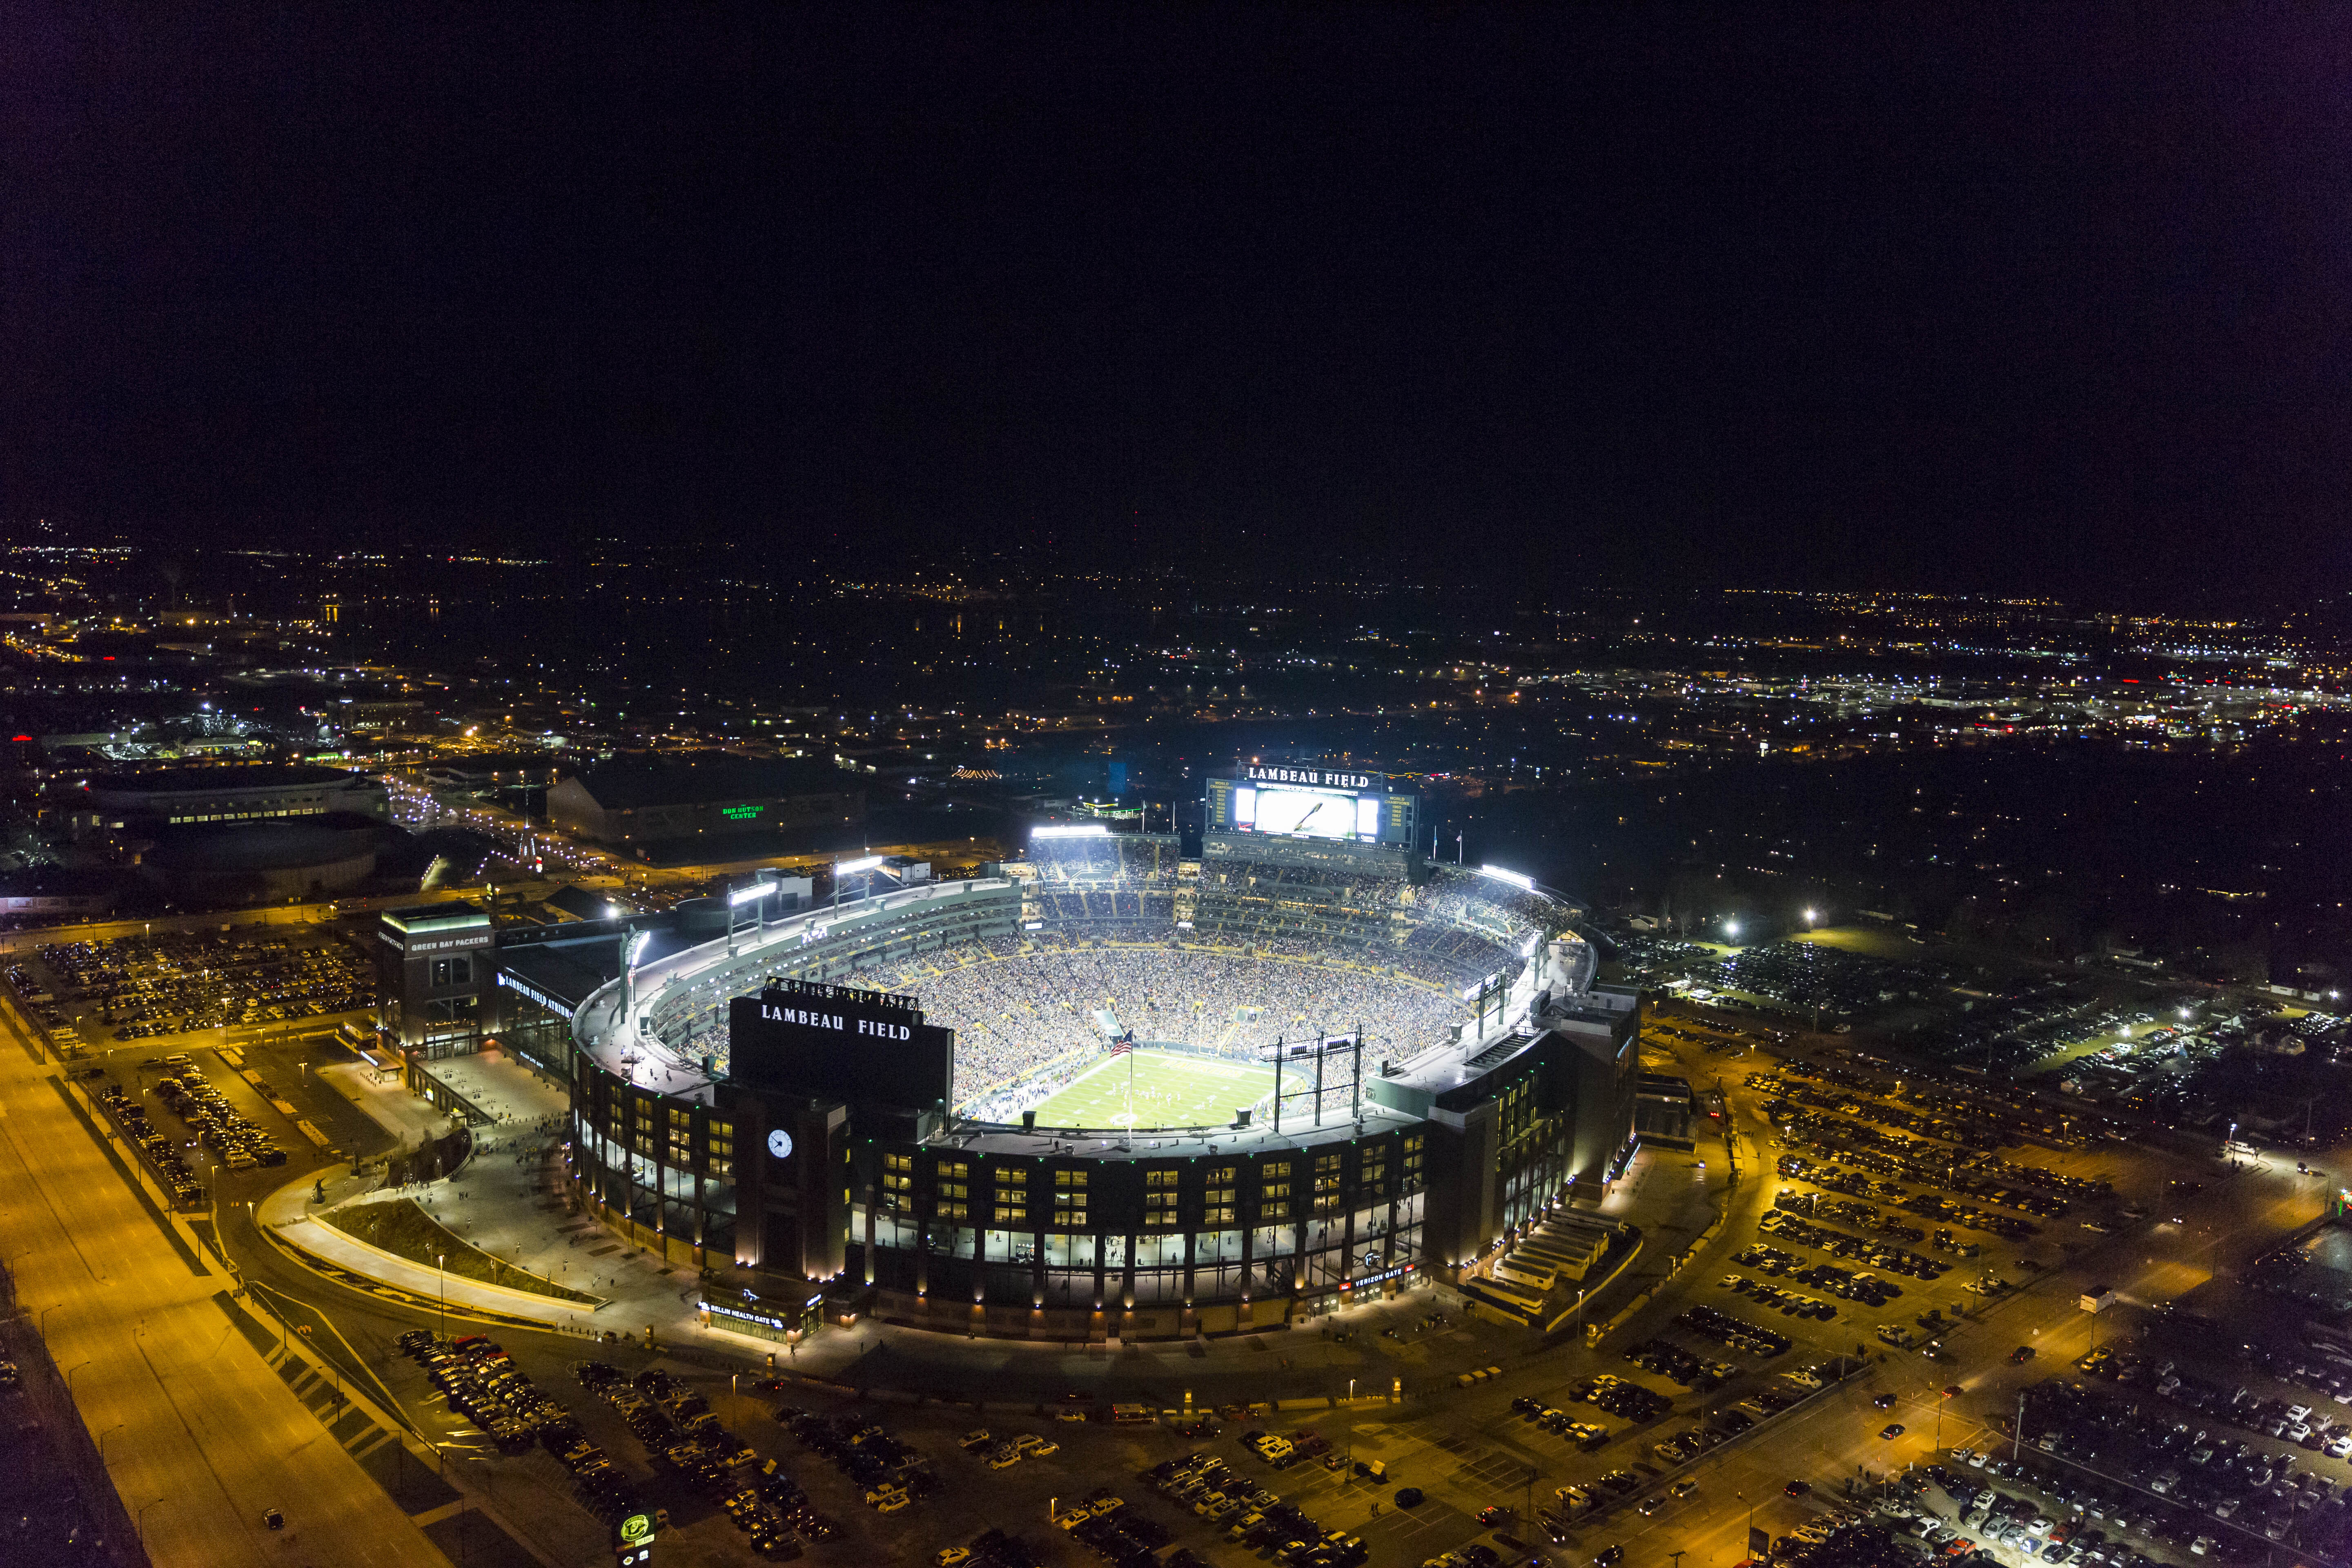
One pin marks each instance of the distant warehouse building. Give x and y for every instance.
(643, 803)
(247, 792)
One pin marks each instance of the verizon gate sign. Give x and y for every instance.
(803, 1036)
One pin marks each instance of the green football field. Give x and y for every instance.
(1171, 1091)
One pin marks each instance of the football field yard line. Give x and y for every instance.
(1169, 1091)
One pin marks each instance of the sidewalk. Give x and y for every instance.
(409, 1118)
(290, 1213)
(503, 1087)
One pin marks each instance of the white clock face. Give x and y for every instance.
(779, 1143)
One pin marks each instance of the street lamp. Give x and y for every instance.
(70, 1376)
(102, 1436)
(1731, 928)
(140, 1525)
(445, 1294)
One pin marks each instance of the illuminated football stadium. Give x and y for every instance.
(1114, 1089)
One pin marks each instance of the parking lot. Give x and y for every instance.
(143, 987)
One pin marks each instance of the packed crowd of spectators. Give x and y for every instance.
(1016, 1012)
(1467, 898)
(1141, 860)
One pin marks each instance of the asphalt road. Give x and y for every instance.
(199, 1434)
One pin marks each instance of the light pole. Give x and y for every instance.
(445, 1294)
(140, 1525)
(45, 1318)
(102, 1436)
(70, 1376)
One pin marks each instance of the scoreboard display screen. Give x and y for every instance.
(865, 1046)
(1311, 803)
(1309, 813)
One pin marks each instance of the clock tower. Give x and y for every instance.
(794, 1213)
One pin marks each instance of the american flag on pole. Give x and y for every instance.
(1120, 1047)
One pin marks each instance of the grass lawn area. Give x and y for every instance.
(1874, 942)
(1171, 1091)
(402, 1229)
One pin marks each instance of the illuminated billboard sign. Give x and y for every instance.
(1316, 778)
(1350, 807)
(866, 1046)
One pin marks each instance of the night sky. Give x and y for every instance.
(2049, 300)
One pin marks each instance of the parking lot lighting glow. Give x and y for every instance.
(1731, 928)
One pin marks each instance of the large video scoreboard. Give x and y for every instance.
(1312, 802)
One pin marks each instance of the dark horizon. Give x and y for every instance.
(2022, 302)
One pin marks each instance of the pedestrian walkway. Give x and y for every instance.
(503, 1087)
(408, 1117)
(293, 1214)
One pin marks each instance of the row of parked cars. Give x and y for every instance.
(162, 1153)
(1634, 1401)
(1833, 1210)
(2061, 1516)
(1580, 1499)
(992, 1549)
(890, 1474)
(482, 1383)
(1210, 1488)
(1585, 1435)
(1671, 1361)
(1003, 1453)
(2212, 1474)
(1787, 1302)
(669, 1418)
(1737, 1333)
(1283, 1452)
(1255, 1517)
(218, 1125)
(1837, 1244)
(2307, 1426)
(1845, 1284)
(1115, 1531)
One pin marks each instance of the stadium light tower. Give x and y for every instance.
(635, 950)
(866, 865)
(735, 902)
